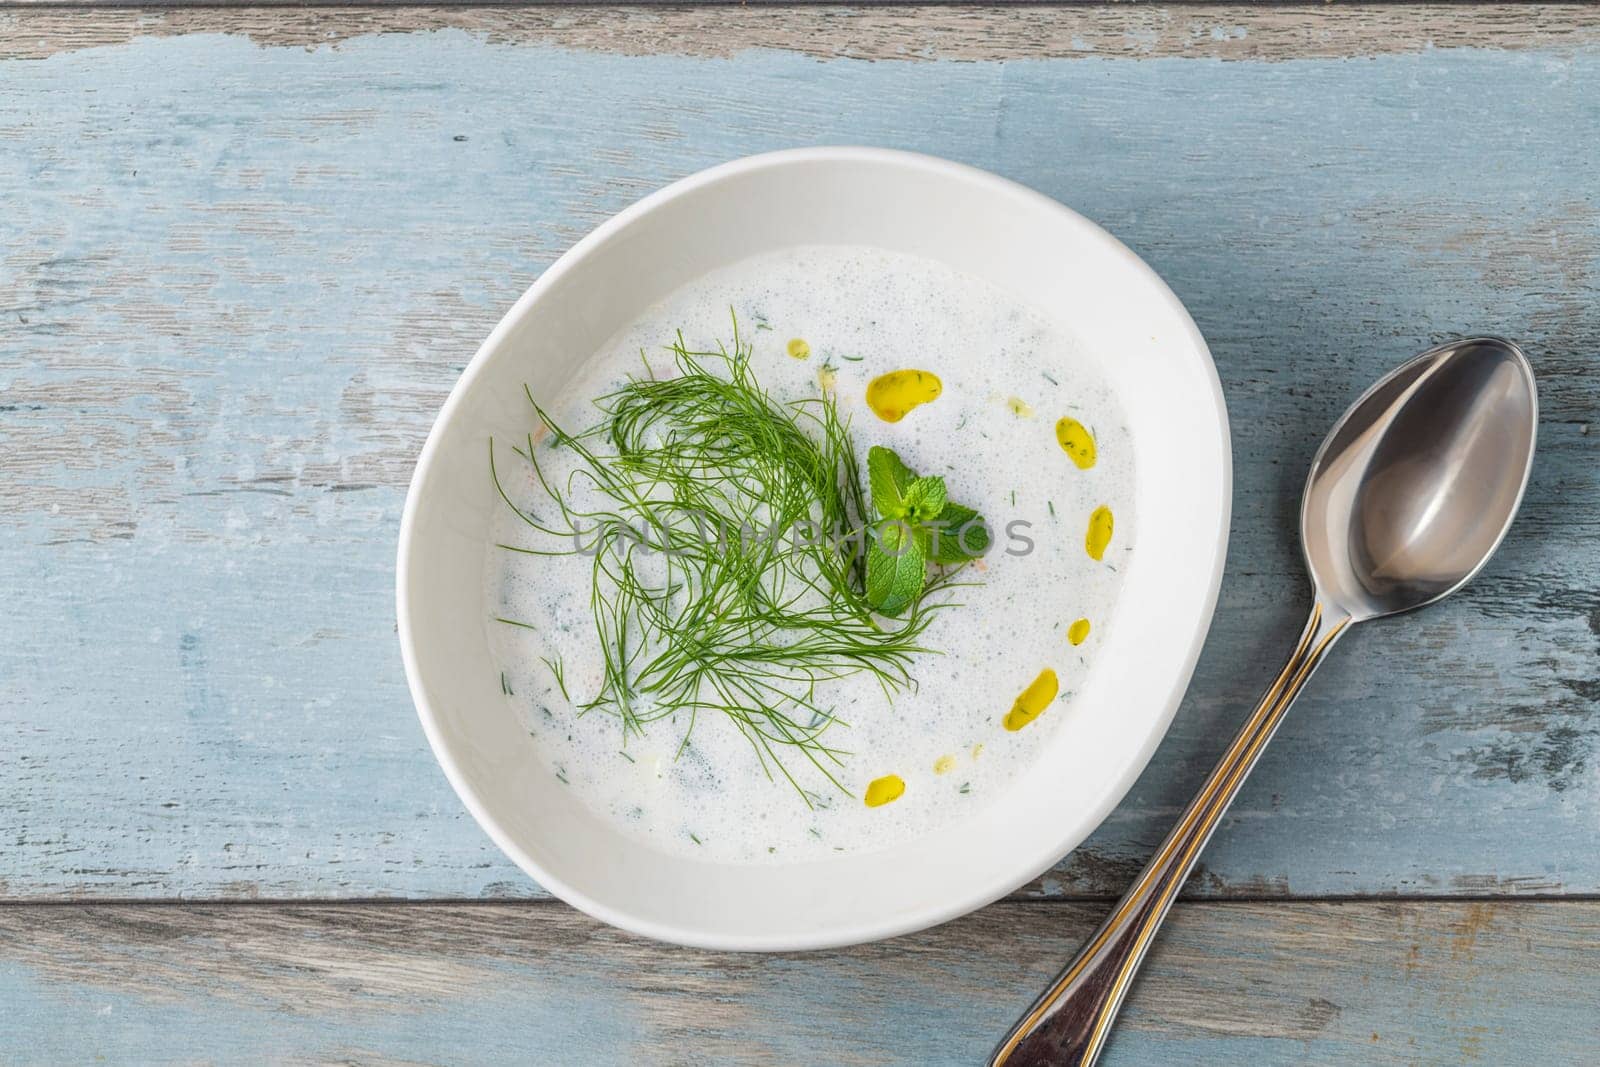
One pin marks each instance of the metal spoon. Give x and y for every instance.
(1407, 499)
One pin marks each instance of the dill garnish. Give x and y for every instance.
(558, 671)
(692, 493)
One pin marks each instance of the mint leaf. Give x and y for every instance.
(889, 479)
(896, 568)
(917, 524)
(959, 535)
(924, 498)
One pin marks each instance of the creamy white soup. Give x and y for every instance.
(963, 384)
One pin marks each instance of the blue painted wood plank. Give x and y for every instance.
(236, 281)
(1367, 984)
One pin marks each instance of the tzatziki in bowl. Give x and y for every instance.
(816, 552)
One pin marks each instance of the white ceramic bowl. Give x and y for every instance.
(1022, 242)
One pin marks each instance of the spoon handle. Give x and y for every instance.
(1069, 1024)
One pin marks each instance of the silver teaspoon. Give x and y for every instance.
(1407, 499)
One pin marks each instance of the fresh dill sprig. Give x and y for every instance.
(558, 671)
(691, 494)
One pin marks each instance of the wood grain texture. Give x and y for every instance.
(1350, 983)
(242, 267)
(920, 33)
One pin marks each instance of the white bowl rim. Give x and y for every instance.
(1003, 882)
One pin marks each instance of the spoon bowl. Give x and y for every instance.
(1417, 484)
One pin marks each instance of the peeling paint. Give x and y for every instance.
(914, 33)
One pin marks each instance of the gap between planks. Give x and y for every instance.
(913, 32)
(1095, 900)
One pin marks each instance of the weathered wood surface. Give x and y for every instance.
(868, 31)
(1353, 983)
(240, 269)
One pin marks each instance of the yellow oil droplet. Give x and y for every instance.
(1099, 535)
(883, 790)
(891, 395)
(1033, 700)
(1076, 442)
(798, 349)
(1078, 632)
(977, 750)
(1020, 407)
(827, 377)
(944, 765)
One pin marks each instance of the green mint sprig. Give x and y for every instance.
(917, 525)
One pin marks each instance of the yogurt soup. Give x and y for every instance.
(962, 383)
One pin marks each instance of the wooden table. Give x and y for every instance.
(244, 252)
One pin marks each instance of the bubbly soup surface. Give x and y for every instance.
(1021, 427)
